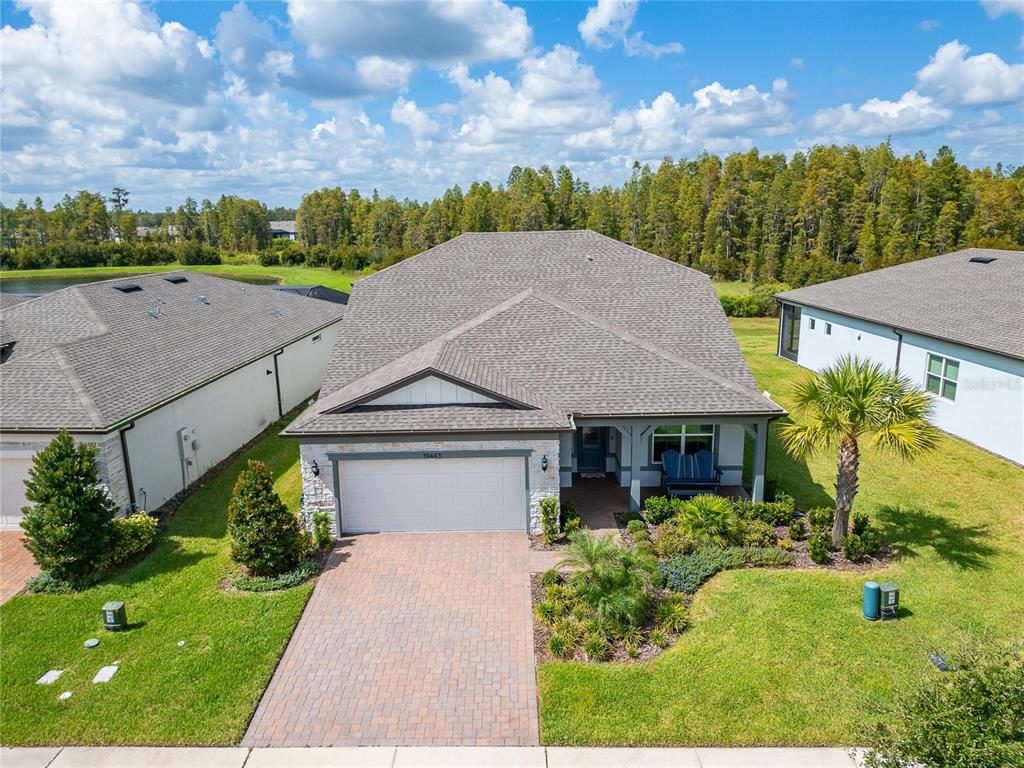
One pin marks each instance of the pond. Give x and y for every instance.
(39, 285)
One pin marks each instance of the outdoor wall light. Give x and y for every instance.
(544, 464)
(315, 468)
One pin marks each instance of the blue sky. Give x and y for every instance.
(273, 99)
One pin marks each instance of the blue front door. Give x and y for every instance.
(591, 452)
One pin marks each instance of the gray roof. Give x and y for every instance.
(550, 323)
(10, 299)
(946, 297)
(283, 226)
(90, 357)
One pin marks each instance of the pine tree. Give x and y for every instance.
(266, 536)
(67, 528)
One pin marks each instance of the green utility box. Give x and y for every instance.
(115, 619)
(890, 601)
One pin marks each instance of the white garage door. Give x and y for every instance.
(13, 471)
(456, 494)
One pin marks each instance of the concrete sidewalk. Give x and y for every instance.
(422, 757)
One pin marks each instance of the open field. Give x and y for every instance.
(784, 657)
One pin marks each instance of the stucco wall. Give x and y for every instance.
(989, 405)
(302, 365)
(318, 491)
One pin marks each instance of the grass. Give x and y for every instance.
(201, 693)
(732, 287)
(341, 281)
(784, 657)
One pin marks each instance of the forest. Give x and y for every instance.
(763, 218)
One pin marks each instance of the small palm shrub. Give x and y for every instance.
(549, 519)
(266, 536)
(710, 520)
(798, 529)
(323, 536)
(819, 545)
(608, 578)
(757, 533)
(658, 509)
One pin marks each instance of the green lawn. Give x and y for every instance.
(732, 287)
(201, 693)
(342, 281)
(784, 657)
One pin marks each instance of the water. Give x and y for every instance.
(40, 285)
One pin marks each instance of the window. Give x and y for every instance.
(941, 377)
(810, 323)
(688, 439)
(828, 329)
(316, 338)
(790, 346)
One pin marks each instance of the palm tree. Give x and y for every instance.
(857, 400)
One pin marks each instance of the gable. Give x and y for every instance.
(431, 390)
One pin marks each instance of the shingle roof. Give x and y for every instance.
(572, 322)
(90, 356)
(947, 297)
(283, 226)
(10, 299)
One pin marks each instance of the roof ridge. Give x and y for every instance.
(68, 370)
(649, 346)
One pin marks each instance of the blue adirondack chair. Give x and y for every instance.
(687, 474)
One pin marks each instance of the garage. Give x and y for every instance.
(13, 472)
(433, 492)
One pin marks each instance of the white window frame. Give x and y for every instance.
(942, 378)
(682, 438)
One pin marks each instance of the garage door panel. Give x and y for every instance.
(433, 494)
(13, 473)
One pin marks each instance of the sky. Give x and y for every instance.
(275, 99)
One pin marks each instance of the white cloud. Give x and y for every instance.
(381, 74)
(927, 25)
(996, 8)
(609, 21)
(911, 113)
(434, 31)
(971, 80)
(418, 122)
(247, 45)
(796, 63)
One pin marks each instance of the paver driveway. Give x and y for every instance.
(410, 639)
(16, 564)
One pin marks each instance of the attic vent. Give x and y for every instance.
(982, 259)
(275, 312)
(128, 288)
(5, 350)
(176, 279)
(202, 300)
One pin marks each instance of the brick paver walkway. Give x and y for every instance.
(410, 639)
(16, 564)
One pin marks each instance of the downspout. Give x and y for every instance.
(277, 384)
(899, 348)
(128, 465)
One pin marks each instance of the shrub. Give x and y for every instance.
(549, 515)
(659, 638)
(548, 611)
(672, 614)
(710, 520)
(631, 515)
(304, 571)
(818, 547)
(608, 578)
(597, 647)
(561, 595)
(570, 629)
(559, 647)
(967, 718)
(686, 573)
(567, 514)
(759, 302)
(550, 577)
(635, 526)
(757, 533)
(130, 536)
(46, 584)
(777, 512)
(658, 509)
(853, 548)
(821, 518)
(323, 536)
(265, 535)
(67, 528)
(787, 544)
(673, 540)
(861, 522)
(798, 529)
(768, 557)
(872, 539)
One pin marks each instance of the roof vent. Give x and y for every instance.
(202, 300)
(982, 259)
(275, 312)
(176, 279)
(128, 288)
(589, 257)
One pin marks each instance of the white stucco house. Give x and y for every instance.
(953, 324)
(167, 373)
(490, 371)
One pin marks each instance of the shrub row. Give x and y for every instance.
(760, 302)
(304, 571)
(107, 254)
(686, 573)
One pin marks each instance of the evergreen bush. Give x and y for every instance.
(266, 536)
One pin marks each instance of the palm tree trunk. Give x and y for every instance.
(846, 487)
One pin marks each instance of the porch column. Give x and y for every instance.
(760, 459)
(636, 455)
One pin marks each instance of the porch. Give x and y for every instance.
(627, 455)
(599, 499)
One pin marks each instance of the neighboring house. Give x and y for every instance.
(282, 229)
(953, 324)
(321, 292)
(167, 373)
(487, 372)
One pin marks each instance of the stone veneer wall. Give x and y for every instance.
(318, 491)
(109, 461)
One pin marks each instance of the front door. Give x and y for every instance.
(592, 451)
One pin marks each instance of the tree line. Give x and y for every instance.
(826, 213)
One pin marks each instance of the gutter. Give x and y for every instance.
(277, 383)
(128, 465)
(899, 348)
